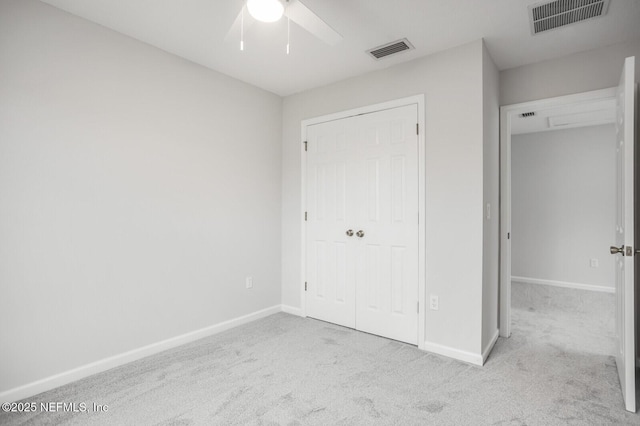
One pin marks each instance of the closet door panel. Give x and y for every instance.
(387, 278)
(330, 292)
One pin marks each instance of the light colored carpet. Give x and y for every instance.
(575, 320)
(291, 371)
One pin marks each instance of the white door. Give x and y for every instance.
(387, 270)
(331, 209)
(362, 223)
(624, 249)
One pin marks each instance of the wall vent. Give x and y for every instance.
(550, 15)
(390, 48)
(527, 114)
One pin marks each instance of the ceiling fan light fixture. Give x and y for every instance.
(265, 10)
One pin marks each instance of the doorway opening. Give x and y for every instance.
(554, 255)
(563, 220)
(524, 123)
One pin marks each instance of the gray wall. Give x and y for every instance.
(563, 205)
(135, 197)
(491, 191)
(580, 72)
(452, 82)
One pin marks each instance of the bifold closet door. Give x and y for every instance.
(362, 223)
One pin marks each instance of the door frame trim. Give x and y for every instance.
(507, 113)
(418, 100)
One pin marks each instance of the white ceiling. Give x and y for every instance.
(195, 30)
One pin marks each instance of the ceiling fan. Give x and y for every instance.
(273, 10)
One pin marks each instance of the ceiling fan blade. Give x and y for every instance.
(234, 31)
(303, 16)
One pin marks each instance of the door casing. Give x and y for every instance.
(418, 100)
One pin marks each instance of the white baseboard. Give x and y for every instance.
(492, 343)
(81, 372)
(292, 310)
(450, 352)
(565, 284)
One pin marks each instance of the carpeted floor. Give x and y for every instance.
(293, 371)
(575, 320)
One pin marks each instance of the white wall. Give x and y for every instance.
(137, 191)
(580, 72)
(491, 195)
(563, 205)
(452, 82)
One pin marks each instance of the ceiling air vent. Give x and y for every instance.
(527, 114)
(550, 15)
(390, 48)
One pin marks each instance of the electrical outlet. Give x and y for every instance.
(594, 263)
(433, 302)
(249, 282)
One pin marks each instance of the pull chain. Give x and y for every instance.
(288, 33)
(242, 29)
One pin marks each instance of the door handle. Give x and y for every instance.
(360, 233)
(616, 250)
(349, 233)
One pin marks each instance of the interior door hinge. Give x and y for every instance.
(417, 128)
(305, 216)
(418, 307)
(305, 286)
(305, 145)
(508, 235)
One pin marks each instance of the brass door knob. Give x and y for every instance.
(350, 233)
(360, 233)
